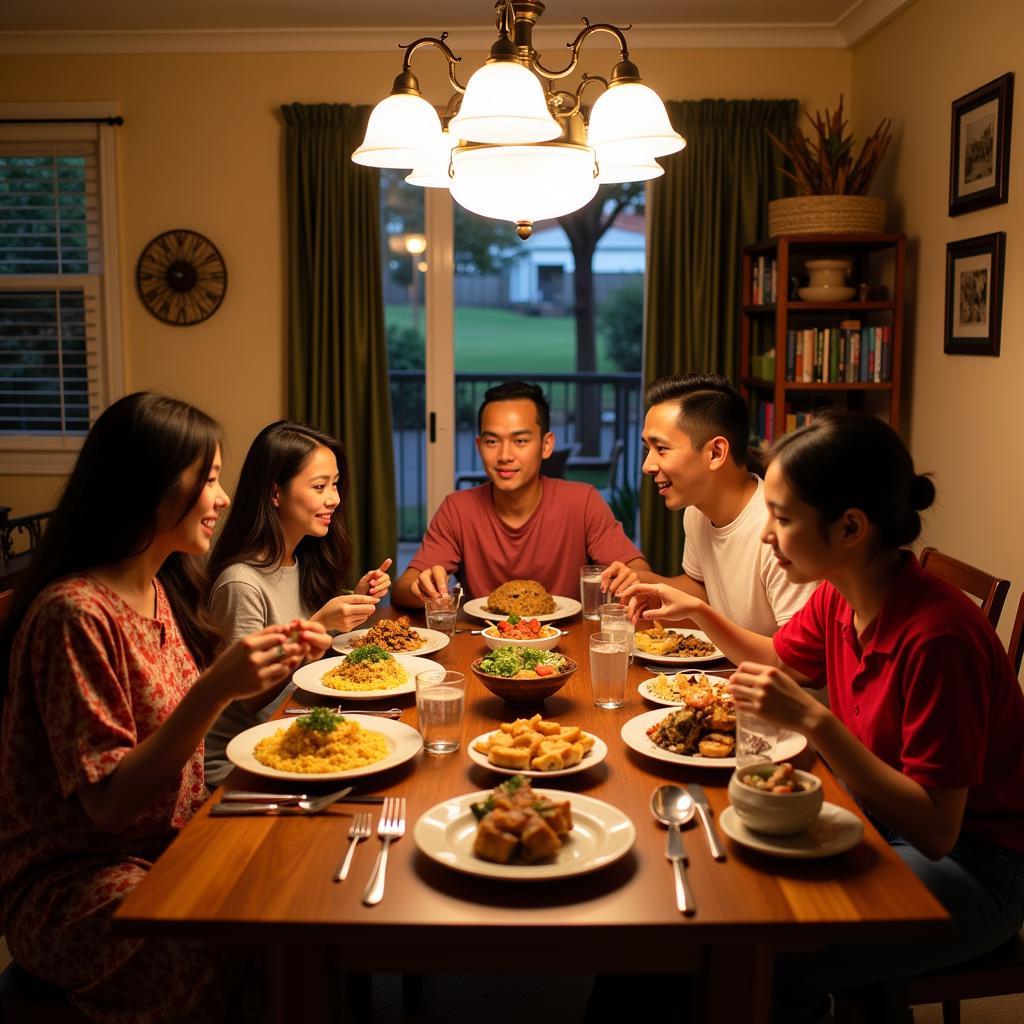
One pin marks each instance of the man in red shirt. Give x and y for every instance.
(520, 525)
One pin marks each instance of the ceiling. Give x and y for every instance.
(128, 25)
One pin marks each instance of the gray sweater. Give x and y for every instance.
(244, 600)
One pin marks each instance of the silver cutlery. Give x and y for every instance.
(244, 796)
(391, 826)
(383, 713)
(361, 828)
(303, 806)
(700, 798)
(673, 806)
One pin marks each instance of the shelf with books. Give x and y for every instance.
(849, 351)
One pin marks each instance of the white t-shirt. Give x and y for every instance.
(743, 579)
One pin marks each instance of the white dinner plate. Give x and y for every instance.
(647, 693)
(634, 735)
(564, 608)
(404, 742)
(600, 835)
(433, 640)
(308, 678)
(597, 753)
(675, 659)
(834, 831)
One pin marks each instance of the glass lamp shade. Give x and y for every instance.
(432, 169)
(633, 113)
(401, 131)
(622, 163)
(504, 104)
(523, 183)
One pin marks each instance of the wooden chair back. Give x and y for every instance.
(1016, 646)
(990, 590)
(6, 597)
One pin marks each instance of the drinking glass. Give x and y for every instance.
(590, 589)
(609, 663)
(755, 739)
(440, 699)
(615, 619)
(442, 611)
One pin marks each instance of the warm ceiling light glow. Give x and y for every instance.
(415, 244)
(518, 147)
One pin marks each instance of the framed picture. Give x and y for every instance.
(979, 158)
(974, 295)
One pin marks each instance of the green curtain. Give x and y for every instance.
(711, 202)
(337, 349)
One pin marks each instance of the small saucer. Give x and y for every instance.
(824, 293)
(835, 830)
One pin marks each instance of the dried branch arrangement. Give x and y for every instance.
(824, 164)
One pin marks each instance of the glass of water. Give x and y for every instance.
(590, 589)
(755, 739)
(615, 619)
(442, 611)
(609, 663)
(440, 699)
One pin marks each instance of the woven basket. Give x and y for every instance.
(825, 215)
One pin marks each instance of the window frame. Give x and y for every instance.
(29, 455)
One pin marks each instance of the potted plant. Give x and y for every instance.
(832, 185)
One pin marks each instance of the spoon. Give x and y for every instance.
(673, 806)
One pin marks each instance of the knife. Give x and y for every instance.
(241, 796)
(704, 810)
(675, 852)
(385, 713)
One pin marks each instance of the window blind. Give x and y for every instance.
(50, 267)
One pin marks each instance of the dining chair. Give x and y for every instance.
(990, 590)
(1016, 647)
(6, 596)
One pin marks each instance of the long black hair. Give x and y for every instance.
(131, 460)
(850, 460)
(252, 533)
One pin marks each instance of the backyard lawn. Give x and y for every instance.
(499, 340)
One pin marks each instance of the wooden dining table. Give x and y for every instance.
(265, 883)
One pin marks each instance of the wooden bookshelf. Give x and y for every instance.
(877, 260)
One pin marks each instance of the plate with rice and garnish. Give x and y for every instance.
(323, 745)
(525, 598)
(366, 673)
(674, 646)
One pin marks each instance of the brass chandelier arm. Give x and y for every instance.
(577, 44)
(411, 48)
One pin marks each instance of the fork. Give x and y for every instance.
(361, 828)
(391, 826)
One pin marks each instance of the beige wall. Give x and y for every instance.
(965, 411)
(201, 148)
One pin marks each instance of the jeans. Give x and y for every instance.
(980, 885)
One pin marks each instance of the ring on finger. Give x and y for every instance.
(280, 652)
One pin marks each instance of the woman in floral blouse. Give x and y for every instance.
(105, 705)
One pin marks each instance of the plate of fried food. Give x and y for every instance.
(674, 646)
(394, 635)
(518, 833)
(324, 745)
(704, 736)
(367, 673)
(525, 598)
(535, 747)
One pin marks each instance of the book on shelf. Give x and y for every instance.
(764, 289)
(850, 353)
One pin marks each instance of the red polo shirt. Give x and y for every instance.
(931, 692)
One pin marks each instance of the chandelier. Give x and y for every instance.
(512, 146)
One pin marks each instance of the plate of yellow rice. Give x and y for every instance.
(324, 746)
(368, 673)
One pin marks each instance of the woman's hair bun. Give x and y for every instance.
(922, 492)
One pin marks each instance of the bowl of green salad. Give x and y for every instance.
(523, 675)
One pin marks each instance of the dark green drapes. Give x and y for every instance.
(711, 202)
(337, 350)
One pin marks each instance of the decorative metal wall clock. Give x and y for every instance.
(181, 277)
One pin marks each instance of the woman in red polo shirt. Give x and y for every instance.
(925, 713)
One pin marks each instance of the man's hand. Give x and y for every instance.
(616, 578)
(432, 582)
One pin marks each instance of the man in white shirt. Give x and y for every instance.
(696, 434)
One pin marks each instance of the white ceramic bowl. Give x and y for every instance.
(775, 814)
(544, 643)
